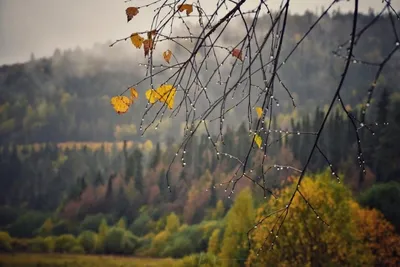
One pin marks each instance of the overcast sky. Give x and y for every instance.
(40, 26)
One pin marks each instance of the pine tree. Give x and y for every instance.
(156, 157)
(388, 153)
(138, 169)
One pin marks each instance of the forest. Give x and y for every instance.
(77, 178)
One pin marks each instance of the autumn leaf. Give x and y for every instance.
(137, 40)
(153, 32)
(121, 103)
(131, 12)
(258, 140)
(237, 53)
(167, 55)
(167, 94)
(134, 94)
(259, 112)
(187, 7)
(151, 95)
(150, 34)
(147, 45)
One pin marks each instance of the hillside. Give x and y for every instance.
(66, 97)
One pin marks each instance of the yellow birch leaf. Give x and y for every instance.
(258, 140)
(120, 104)
(166, 94)
(134, 94)
(151, 96)
(259, 112)
(167, 55)
(137, 40)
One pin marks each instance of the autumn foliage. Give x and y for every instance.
(354, 237)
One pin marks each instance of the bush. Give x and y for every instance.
(50, 243)
(87, 240)
(5, 242)
(202, 259)
(92, 222)
(26, 224)
(63, 228)
(178, 247)
(141, 225)
(65, 243)
(77, 249)
(38, 244)
(120, 241)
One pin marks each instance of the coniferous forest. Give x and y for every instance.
(77, 178)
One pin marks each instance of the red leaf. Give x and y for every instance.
(237, 53)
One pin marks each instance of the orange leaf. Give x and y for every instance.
(237, 53)
(187, 7)
(259, 112)
(147, 46)
(137, 40)
(134, 94)
(167, 55)
(131, 12)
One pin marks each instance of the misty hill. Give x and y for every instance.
(66, 97)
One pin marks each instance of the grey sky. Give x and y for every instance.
(40, 26)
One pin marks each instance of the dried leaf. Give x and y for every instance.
(131, 12)
(153, 32)
(259, 112)
(187, 7)
(167, 55)
(258, 140)
(137, 40)
(134, 94)
(120, 104)
(237, 53)
(147, 45)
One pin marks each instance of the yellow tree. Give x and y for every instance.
(305, 240)
(379, 236)
(240, 218)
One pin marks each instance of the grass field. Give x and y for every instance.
(58, 260)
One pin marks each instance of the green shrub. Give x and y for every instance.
(37, 244)
(87, 240)
(50, 243)
(141, 225)
(77, 249)
(120, 241)
(27, 224)
(65, 243)
(92, 222)
(202, 259)
(5, 242)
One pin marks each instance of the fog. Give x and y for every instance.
(40, 26)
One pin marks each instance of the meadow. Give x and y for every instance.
(70, 260)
